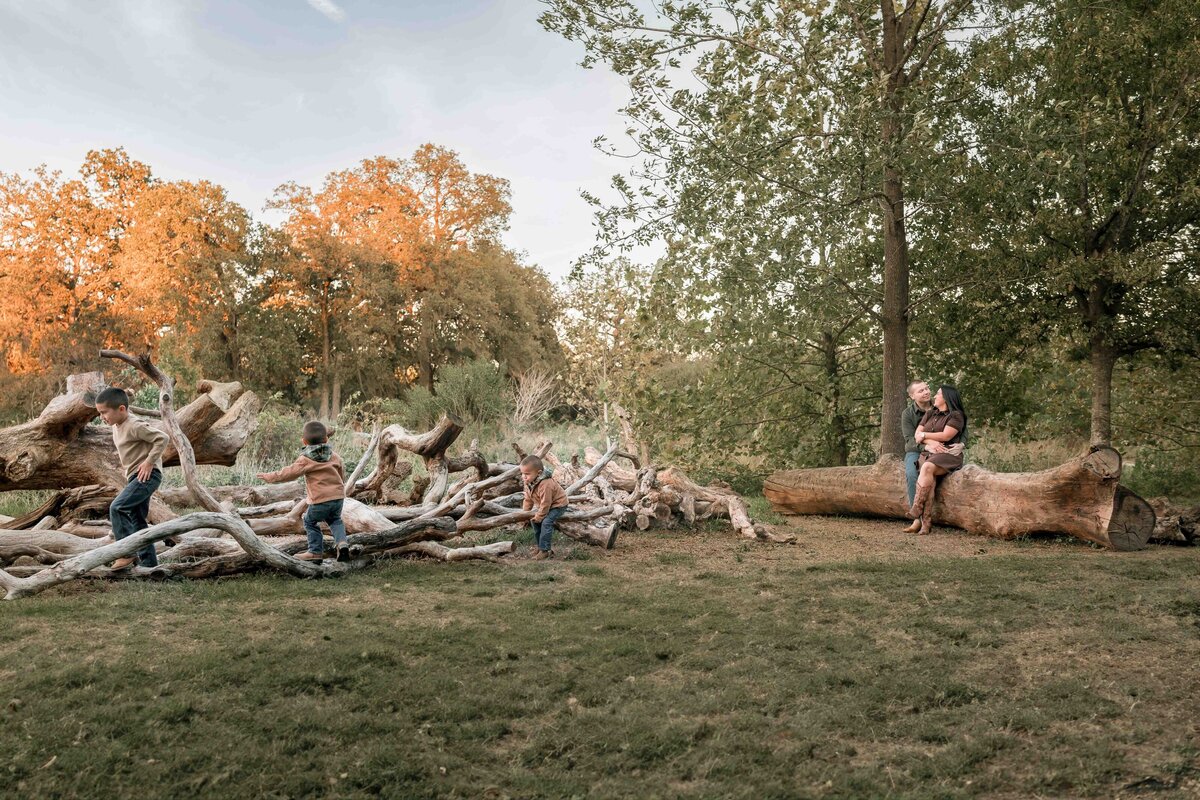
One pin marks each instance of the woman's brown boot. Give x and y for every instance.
(927, 513)
(920, 500)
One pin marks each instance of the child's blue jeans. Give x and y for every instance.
(128, 513)
(543, 531)
(329, 512)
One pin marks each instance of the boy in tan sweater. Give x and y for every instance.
(140, 448)
(324, 477)
(546, 497)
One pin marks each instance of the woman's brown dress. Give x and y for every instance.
(936, 421)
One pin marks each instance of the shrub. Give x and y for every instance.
(277, 438)
(534, 396)
(999, 450)
(1156, 472)
(476, 392)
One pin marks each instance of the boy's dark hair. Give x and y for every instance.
(315, 433)
(532, 461)
(112, 397)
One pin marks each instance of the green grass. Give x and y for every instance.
(668, 670)
(19, 503)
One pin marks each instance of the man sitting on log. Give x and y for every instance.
(910, 418)
(140, 448)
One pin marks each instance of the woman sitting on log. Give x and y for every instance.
(943, 431)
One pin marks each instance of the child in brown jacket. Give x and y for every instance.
(324, 477)
(546, 497)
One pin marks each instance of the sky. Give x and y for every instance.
(257, 93)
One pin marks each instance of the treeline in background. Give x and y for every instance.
(1048, 158)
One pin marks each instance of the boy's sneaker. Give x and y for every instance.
(343, 553)
(122, 563)
(542, 555)
(311, 556)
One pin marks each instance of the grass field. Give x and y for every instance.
(857, 664)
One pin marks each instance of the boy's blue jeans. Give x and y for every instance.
(128, 513)
(543, 531)
(330, 512)
(910, 475)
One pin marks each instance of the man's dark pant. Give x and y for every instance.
(543, 531)
(128, 513)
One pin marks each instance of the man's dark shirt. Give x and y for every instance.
(910, 418)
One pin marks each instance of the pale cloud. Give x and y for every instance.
(329, 9)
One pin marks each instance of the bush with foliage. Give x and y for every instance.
(476, 392)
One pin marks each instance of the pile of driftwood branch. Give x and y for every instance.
(249, 528)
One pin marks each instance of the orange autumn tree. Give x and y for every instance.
(326, 286)
(60, 273)
(391, 270)
(403, 271)
(116, 256)
(195, 267)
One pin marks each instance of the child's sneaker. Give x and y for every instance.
(122, 563)
(311, 557)
(542, 555)
(343, 552)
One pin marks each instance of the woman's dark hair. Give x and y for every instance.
(954, 403)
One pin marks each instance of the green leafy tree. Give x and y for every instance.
(600, 334)
(1083, 188)
(746, 107)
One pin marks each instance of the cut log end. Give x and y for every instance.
(1104, 461)
(1132, 521)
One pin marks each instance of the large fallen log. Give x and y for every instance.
(1082, 498)
(59, 449)
(243, 495)
(83, 502)
(357, 517)
(217, 423)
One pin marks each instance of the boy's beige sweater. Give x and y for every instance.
(136, 442)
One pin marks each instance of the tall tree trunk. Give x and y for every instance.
(894, 313)
(425, 353)
(326, 361)
(1103, 358)
(839, 446)
(1099, 318)
(336, 405)
(234, 355)
(228, 354)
